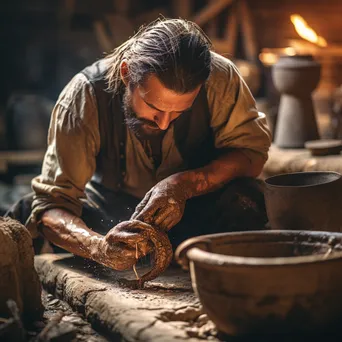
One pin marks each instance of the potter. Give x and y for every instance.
(164, 125)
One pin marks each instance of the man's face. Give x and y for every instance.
(151, 107)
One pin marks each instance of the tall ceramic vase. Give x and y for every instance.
(295, 77)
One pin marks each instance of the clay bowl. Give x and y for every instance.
(304, 201)
(267, 281)
(324, 147)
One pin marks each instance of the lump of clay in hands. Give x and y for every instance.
(162, 249)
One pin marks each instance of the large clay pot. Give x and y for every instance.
(304, 201)
(267, 281)
(295, 77)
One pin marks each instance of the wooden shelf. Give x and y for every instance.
(20, 158)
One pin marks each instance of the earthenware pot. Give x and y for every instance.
(304, 201)
(267, 281)
(295, 77)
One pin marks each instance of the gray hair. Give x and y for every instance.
(177, 51)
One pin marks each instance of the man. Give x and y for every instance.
(162, 130)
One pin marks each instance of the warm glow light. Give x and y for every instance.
(268, 58)
(290, 51)
(306, 32)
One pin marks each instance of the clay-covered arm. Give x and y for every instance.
(219, 172)
(69, 232)
(72, 234)
(163, 206)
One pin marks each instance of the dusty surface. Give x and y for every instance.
(82, 329)
(297, 160)
(166, 310)
(19, 280)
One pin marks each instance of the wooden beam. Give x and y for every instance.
(212, 25)
(231, 31)
(210, 11)
(248, 31)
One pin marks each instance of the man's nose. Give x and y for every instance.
(163, 121)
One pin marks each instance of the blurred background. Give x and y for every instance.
(45, 43)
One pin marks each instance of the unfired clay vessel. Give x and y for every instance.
(295, 77)
(267, 281)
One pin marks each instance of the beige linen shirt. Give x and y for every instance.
(74, 141)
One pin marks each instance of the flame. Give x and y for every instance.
(306, 32)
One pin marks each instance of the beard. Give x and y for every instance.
(142, 128)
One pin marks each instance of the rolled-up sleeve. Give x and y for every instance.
(70, 159)
(235, 121)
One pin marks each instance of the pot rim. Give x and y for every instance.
(300, 173)
(203, 257)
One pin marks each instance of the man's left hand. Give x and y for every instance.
(163, 206)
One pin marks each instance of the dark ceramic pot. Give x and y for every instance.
(295, 77)
(304, 201)
(267, 281)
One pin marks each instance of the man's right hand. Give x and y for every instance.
(113, 255)
(113, 252)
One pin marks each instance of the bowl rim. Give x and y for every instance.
(339, 176)
(203, 257)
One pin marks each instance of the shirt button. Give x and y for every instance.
(122, 156)
(121, 144)
(119, 185)
(123, 173)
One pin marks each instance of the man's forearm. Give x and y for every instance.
(219, 172)
(69, 232)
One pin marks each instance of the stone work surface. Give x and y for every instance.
(166, 310)
(61, 323)
(18, 278)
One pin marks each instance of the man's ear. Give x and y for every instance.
(124, 72)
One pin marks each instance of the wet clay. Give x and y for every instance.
(126, 233)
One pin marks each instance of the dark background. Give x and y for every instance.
(45, 42)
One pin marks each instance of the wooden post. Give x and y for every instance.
(231, 31)
(248, 30)
(212, 25)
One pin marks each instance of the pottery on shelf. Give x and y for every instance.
(295, 77)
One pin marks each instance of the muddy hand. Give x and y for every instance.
(163, 206)
(121, 247)
(133, 233)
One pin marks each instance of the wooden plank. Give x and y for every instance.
(210, 11)
(248, 30)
